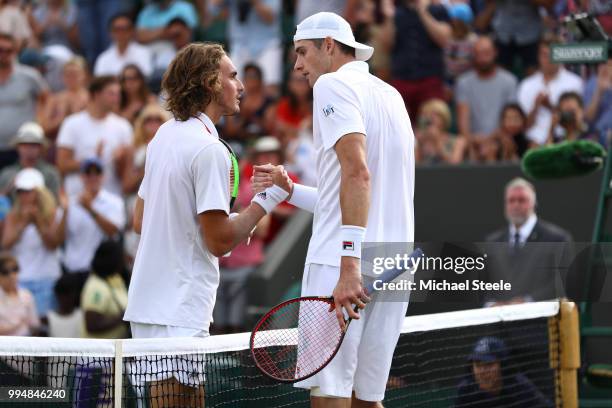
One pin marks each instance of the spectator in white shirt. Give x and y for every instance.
(124, 50)
(67, 321)
(89, 219)
(540, 92)
(95, 132)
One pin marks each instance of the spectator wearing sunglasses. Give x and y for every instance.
(90, 218)
(17, 310)
(30, 233)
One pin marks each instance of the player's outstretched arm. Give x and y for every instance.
(354, 205)
(301, 196)
(222, 233)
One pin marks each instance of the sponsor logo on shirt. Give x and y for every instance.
(328, 110)
(348, 245)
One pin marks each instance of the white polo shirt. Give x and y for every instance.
(351, 100)
(530, 87)
(175, 277)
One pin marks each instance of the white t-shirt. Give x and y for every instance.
(110, 62)
(83, 234)
(36, 261)
(81, 133)
(67, 326)
(175, 278)
(528, 91)
(351, 100)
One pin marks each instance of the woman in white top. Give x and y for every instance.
(30, 234)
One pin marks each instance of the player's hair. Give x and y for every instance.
(344, 49)
(98, 84)
(192, 81)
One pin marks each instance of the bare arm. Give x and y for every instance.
(483, 19)
(138, 213)
(354, 180)
(439, 31)
(13, 227)
(354, 205)
(108, 227)
(265, 13)
(47, 229)
(146, 36)
(97, 322)
(66, 162)
(463, 119)
(591, 111)
(222, 234)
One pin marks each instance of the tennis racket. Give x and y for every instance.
(234, 173)
(234, 181)
(297, 338)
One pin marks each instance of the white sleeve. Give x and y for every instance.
(338, 110)
(66, 137)
(211, 175)
(114, 211)
(304, 197)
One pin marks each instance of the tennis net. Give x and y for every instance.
(431, 361)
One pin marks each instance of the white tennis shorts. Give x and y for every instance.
(364, 358)
(187, 369)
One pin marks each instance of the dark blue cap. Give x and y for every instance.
(92, 162)
(489, 349)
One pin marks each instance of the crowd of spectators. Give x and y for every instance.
(80, 99)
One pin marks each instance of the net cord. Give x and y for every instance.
(49, 347)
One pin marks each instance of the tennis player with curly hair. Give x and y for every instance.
(183, 215)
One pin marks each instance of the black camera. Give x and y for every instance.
(567, 118)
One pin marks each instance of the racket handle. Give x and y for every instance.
(390, 274)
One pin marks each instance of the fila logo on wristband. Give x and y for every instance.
(262, 195)
(348, 245)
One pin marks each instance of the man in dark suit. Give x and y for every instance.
(532, 254)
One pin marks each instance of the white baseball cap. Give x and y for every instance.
(29, 179)
(325, 24)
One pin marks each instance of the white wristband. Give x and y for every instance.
(304, 197)
(270, 198)
(351, 237)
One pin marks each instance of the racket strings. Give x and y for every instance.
(297, 339)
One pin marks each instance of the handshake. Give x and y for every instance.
(271, 186)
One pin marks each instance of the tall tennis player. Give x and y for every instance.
(183, 215)
(365, 164)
